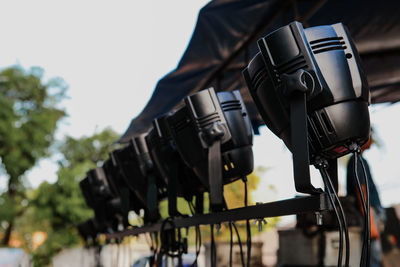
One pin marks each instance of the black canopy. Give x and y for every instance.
(224, 41)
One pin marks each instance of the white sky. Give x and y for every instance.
(112, 53)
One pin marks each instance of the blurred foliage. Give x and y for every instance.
(28, 120)
(57, 208)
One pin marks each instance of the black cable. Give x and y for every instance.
(168, 253)
(248, 229)
(151, 245)
(248, 242)
(364, 206)
(332, 201)
(197, 245)
(367, 214)
(180, 249)
(240, 243)
(213, 249)
(191, 207)
(200, 242)
(231, 245)
(196, 248)
(155, 250)
(343, 218)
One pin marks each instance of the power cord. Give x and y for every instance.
(178, 245)
(155, 250)
(364, 206)
(240, 243)
(367, 214)
(198, 245)
(321, 164)
(248, 229)
(191, 207)
(343, 218)
(213, 249)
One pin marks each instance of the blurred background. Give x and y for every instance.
(72, 76)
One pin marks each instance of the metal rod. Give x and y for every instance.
(272, 209)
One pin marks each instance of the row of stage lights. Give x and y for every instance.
(310, 91)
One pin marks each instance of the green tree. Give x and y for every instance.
(29, 115)
(60, 207)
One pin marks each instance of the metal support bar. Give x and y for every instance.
(272, 209)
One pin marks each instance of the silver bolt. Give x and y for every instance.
(260, 223)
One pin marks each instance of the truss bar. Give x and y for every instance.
(266, 210)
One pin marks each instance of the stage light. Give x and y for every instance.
(120, 189)
(180, 179)
(141, 177)
(213, 135)
(88, 230)
(97, 193)
(311, 92)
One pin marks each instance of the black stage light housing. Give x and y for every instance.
(120, 189)
(180, 179)
(88, 230)
(98, 196)
(212, 133)
(126, 162)
(311, 92)
(141, 177)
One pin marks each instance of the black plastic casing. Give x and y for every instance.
(120, 189)
(136, 164)
(167, 160)
(128, 163)
(99, 197)
(95, 188)
(159, 150)
(146, 164)
(337, 107)
(87, 192)
(202, 110)
(89, 229)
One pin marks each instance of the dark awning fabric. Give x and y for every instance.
(224, 41)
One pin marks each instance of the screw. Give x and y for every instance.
(260, 223)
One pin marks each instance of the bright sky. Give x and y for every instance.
(112, 53)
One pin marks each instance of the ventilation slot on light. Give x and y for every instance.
(327, 44)
(327, 122)
(182, 124)
(318, 127)
(292, 66)
(207, 120)
(260, 76)
(231, 105)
